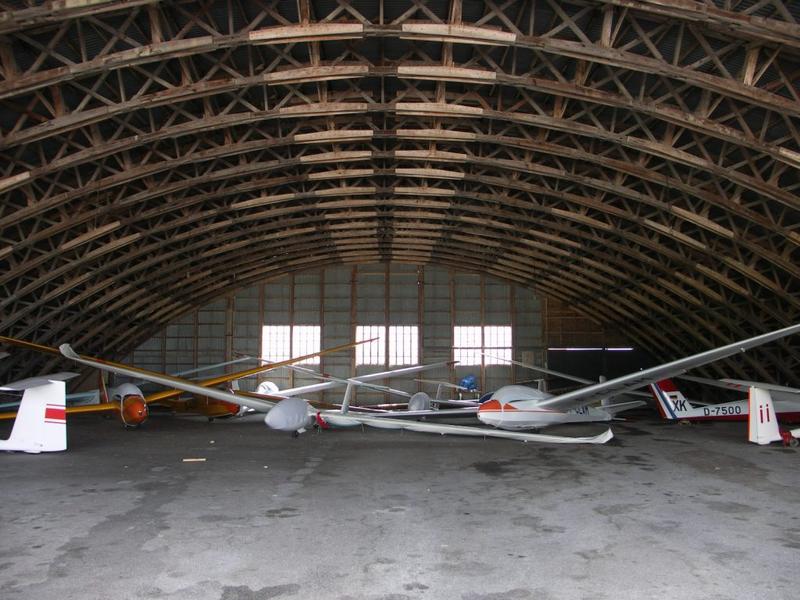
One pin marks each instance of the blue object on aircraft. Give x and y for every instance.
(470, 383)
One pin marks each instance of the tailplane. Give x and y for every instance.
(672, 404)
(618, 407)
(762, 425)
(41, 423)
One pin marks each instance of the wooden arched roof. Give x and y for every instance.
(637, 159)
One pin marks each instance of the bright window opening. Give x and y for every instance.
(373, 353)
(306, 340)
(475, 345)
(281, 342)
(403, 345)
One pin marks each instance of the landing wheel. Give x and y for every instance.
(794, 442)
(295, 434)
(210, 419)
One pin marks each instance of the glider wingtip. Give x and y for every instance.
(67, 351)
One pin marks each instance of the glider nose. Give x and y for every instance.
(290, 414)
(488, 411)
(229, 408)
(133, 410)
(272, 420)
(490, 405)
(491, 412)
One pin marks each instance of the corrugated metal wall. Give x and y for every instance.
(339, 299)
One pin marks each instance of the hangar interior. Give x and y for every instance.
(182, 181)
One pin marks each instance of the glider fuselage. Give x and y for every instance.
(517, 407)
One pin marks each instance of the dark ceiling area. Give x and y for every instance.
(636, 159)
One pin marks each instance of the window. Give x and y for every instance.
(306, 340)
(281, 342)
(497, 344)
(467, 345)
(493, 340)
(373, 353)
(403, 345)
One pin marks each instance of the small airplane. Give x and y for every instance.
(41, 423)
(507, 412)
(673, 405)
(762, 413)
(132, 405)
(521, 395)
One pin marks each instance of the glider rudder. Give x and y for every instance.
(41, 423)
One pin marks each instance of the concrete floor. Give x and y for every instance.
(680, 511)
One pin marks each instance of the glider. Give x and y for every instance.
(674, 406)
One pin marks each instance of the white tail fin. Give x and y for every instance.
(41, 423)
(672, 404)
(762, 424)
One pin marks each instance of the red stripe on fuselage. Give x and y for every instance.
(55, 414)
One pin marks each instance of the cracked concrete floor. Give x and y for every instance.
(689, 511)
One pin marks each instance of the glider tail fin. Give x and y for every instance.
(762, 425)
(672, 404)
(41, 424)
